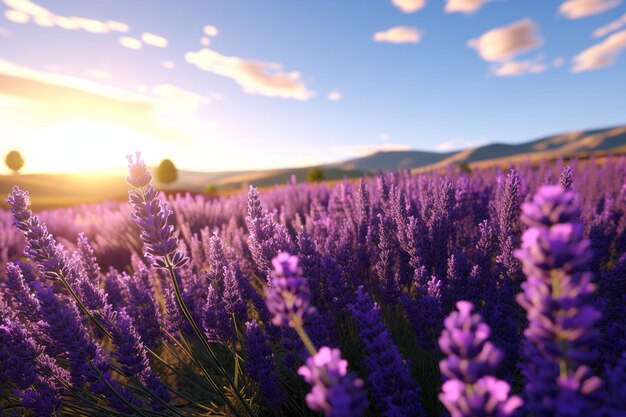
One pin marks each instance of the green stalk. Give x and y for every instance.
(201, 337)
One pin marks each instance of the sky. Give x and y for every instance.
(219, 85)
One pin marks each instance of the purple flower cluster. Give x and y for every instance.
(471, 389)
(335, 391)
(561, 340)
(288, 297)
(152, 216)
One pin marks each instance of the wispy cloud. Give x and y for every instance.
(210, 30)
(26, 11)
(167, 64)
(161, 111)
(130, 43)
(503, 43)
(602, 54)
(576, 9)
(398, 34)
(409, 6)
(610, 27)
(334, 96)
(255, 77)
(153, 40)
(464, 6)
(515, 68)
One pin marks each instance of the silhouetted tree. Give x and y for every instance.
(465, 167)
(14, 161)
(315, 175)
(166, 172)
(210, 189)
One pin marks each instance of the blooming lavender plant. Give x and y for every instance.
(335, 391)
(471, 360)
(561, 340)
(288, 296)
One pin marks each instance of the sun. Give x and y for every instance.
(76, 146)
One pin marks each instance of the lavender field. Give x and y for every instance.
(491, 293)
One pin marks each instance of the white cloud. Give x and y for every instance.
(115, 26)
(503, 43)
(575, 9)
(154, 40)
(16, 16)
(409, 6)
(368, 149)
(25, 11)
(167, 64)
(464, 6)
(601, 54)
(610, 27)
(334, 96)
(205, 40)
(513, 68)
(130, 43)
(255, 77)
(398, 34)
(210, 30)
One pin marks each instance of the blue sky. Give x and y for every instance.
(292, 83)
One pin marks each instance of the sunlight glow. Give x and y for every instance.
(84, 145)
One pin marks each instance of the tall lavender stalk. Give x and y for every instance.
(161, 246)
(335, 391)
(560, 338)
(42, 248)
(389, 377)
(471, 389)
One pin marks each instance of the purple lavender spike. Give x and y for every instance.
(288, 297)
(389, 378)
(335, 391)
(471, 360)
(152, 216)
(560, 332)
(261, 366)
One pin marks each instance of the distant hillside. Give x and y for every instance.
(389, 161)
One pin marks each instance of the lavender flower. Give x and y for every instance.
(267, 237)
(335, 392)
(465, 341)
(560, 332)
(40, 245)
(133, 358)
(472, 390)
(152, 216)
(27, 368)
(261, 366)
(87, 363)
(389, 378)
(143, 307)
(566, 179)
(288, 296)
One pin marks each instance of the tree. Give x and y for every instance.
(315, 175)
(14, 161)
(166, 172)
